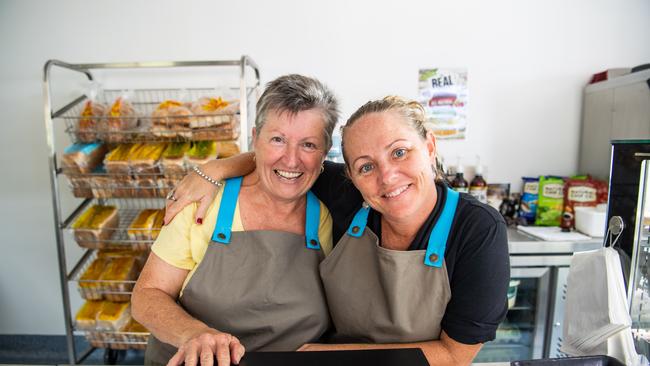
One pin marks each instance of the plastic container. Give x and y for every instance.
(591, 220)
(512, 292)
(571, 361)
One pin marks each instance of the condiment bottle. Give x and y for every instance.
(478, 187)
(459, 184)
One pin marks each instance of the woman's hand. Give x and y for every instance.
(203, 347)
(192, 188)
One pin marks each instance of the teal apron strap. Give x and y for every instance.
(312, 221)
(438, 238)
(359, 222)
(223, 228)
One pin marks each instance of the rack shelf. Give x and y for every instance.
(131, 115)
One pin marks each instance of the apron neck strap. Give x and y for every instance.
(312, 222)
(359, 222)
(223, 228)
(440, 233)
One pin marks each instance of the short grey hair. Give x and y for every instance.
(296, 93)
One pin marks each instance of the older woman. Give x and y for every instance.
(248, 278)
(416, 264)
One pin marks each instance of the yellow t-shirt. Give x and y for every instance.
(182, 243)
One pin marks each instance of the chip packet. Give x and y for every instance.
(528, 203)
(550, 201)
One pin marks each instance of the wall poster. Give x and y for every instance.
(443, 94)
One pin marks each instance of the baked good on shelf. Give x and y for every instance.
(117, 160)
(82, 158)
(89, 286)
(173, 159)
(96, 224)
(89, 120)
(146, 225)
(118, 278)
(139, 225)
(227, 131)
(86, 318)
(121, 121)
(201, 152)
(226, 149)
(165, 185)
(81, 187)
(113, 315)
(210, 112)
(144, 159)
(170, 119)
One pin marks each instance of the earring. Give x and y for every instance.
(322, 168)
(253, 158)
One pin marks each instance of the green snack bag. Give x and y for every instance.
(550, 202)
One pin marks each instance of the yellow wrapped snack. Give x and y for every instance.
(95, 225)
(89, 285)
(113, 315)
(86, 318)
(138, 228)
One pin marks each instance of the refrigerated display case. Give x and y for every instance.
(533, 325)
(639, 285)
(129, 187)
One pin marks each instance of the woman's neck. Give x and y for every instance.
(257, 195)
(397, 233)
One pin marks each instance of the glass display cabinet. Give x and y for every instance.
(639, 284)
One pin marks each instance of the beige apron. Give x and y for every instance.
(378, 295)
(261, 286)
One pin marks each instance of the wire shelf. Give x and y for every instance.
(120, 236)
(118, 340)
(141, 124)
(110, 290)
(128, 185)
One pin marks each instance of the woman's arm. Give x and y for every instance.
(196, 189)
(445, 351)
(153, 304)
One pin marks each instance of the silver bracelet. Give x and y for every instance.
(206, 177)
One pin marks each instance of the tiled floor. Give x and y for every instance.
(52, 350)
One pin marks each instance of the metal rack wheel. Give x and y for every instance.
(113, 356)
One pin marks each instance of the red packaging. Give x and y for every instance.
(578, 192)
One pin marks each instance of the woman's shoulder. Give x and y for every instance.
(477, 214)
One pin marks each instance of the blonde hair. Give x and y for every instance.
(413, 115)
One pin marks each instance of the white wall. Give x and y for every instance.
(527, 61)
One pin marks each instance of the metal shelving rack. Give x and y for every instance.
(66, 115)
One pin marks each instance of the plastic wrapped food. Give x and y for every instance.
(89, 286)
(226, 149)
(89, 120)
(140, 228)
(173, 159)
(121, 120)
(96, 224)
(82, 158)
(86, 318)
(211, 112)
(227, 131)
(202, 152)
(117, 160)
(145, 158)
(170, 119)
(117, 277)
(113, 316)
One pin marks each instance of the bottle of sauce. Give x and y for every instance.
(459, 184)
(478, 186)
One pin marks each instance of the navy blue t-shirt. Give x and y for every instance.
(476, 255)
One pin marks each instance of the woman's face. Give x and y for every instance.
(391, 164)
(289, 151)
